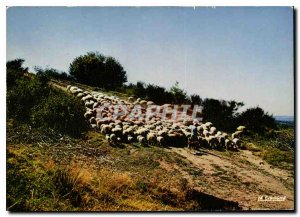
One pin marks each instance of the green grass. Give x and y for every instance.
(277, 148)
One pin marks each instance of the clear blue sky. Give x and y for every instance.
(239, 53)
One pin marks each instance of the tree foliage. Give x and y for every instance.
(98, 70)
(223, 114)
(51, 73)
(257, 120)
(195, 99)
(14, 70)
(180, 95)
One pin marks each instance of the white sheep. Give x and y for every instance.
(130, 99)
(236, 142)
(113, 137)
(105, 129)
(160, 140)
(241, 128)
(236, 134)
(130, 139)
(213, 130)
(141, 139)
(151, 138)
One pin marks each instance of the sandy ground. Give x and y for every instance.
(240, 177)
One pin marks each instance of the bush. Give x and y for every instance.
(51, 73)
(98, 70)
(60, 112)
(22, 97)
(31, 101)
(256, 120)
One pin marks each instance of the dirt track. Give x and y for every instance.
(241, 177)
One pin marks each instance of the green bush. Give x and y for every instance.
(31, 101)
(60, 112)
(23, 96)
(51, 73)
(257, 120)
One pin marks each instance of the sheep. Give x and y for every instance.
(236, 134)
(96, 105)
(92, 120)
(142, 131)
(141, 139)
(212, 141)
(125, 126)
(221, 141)
(208, 124)
(105, 129)
(87, 97)
(149, 129)
(79, 95)
(228, 143)
(151, 138)
(241, 128)
(225, 135)
(88, 114)
(73, 88)
(113, 137)
(94, 126)
(160, 140)
(219, 133)
(150, 103)
(213, 130)
(117, 131)
(206, 133)
(130, 139)
(236, 142)
(130, 99)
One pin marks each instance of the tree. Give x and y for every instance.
(179, 94)
(52, 73)
(257, 120)
(98, 70)
(195, 99)
(223, 114)
(16, 65)
(156, 94)
(14, 70)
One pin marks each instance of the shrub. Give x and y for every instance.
(52, 73)
(257, 120)
(60, 112)
(22, 97)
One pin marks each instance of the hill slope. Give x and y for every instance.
(56, 172)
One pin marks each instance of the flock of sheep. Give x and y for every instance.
(129, 127)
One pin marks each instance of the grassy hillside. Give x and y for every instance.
(49, 168)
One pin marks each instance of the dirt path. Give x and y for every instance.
(240, 177)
